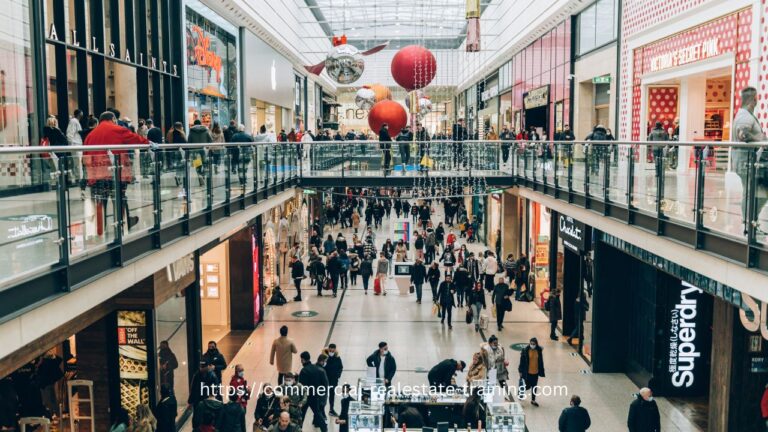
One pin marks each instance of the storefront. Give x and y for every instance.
(273, 90)
(694, 76)
(489, 100)
(212, 67)
(538, 239)
(541, 88)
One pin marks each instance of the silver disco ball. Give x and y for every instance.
(345, 64)
(365, 98)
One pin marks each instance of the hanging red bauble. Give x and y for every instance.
(413, 67)
(389, 112)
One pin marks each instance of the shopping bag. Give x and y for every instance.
(377, 286)
(493, 311)
(435, 310)
(427, 161)
(470, 316)
(411, 289)
(328, 284)
(483, 321)
(197, 162)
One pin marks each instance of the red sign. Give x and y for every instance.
(203, 54)
(256, 281)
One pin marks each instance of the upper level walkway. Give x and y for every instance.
(70, 214)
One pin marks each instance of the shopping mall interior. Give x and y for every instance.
(502, 215)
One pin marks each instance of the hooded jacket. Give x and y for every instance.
(333, 367)
(199, 134)
(206, 412)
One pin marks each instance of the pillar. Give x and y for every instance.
(722, 360)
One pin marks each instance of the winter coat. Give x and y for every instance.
(494, 359)
(476, 372)
(433, 275)
(206, 412)
(155, 135)
(490, 265)
(448, 259)
(401, 253)
(217, 137)
(445, 294)
(574, 419)
(199, 134)
(461, 279)
(231, 418)
(341, 243)
(366, 268)
(297, 270)
(97, 163)
(282, 353)
(265, 407)
(198, 379)
(56, 137)
(240, 386)
(555, 309)
(499, 292)
(314, 377)
(355, 220)
(442, 373)
(643, 416)
(333, 368)
(476, 296)
(658, 134)
(215, 357)
(418, 274)
(390, 366)
(165, 413)
(523, 366)
(334, 267)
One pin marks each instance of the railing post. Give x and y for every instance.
(118, 201)
(751, 187)
(187, 181)
(606, 172)
(571, 162)
(63, 216)
(587, 167)
(630, 175)
(156, 185)
(698, 203)
(227, 175)
(343, 151)
(208, 173)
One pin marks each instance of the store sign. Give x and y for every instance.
(202, 55)
(541, 254)
(605, 79)
(536, 98)
(572, 232)
(683, 352)
(180, 268)
(688, 54)
(490, 93)
(26, 226)
(755, 318)
(255, 260)
(111, 51)
(133, 366)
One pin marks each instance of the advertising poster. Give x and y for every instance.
(132, 358)
(402, 231)
(256, 281)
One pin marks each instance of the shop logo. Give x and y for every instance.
(689, 54)
(682, 337)
(755, 318)
(180, 268)
(203, 55)
(273, 76)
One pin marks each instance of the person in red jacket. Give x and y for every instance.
(98, 166)
(238, 387)
(764, 406)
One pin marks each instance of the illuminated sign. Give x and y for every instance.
(203, 55)
(683, 354)
(688, 54)
(536, 98)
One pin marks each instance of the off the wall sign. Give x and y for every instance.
(111, 51)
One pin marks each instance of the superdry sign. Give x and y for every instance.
(572, 232)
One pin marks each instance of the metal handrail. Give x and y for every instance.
(123, 147)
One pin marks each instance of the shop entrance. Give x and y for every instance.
(538, 118)
(214, 292)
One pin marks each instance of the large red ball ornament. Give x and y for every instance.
(413, 67)
(389, 112)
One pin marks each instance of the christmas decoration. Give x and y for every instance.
(421, 105)
(413, 67)
(382, 92)
(473, 26)
(365, 98)
(344, 62)
(389, 112)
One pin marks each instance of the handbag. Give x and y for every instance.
(508, 305)
(197, 162)
(411, 289)
(493, 310)
(470, 316)
(427, 161)
(435, 310)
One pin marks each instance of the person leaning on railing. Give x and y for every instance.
(97, 164)
(746, 128)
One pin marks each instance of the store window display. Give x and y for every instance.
(172, 353)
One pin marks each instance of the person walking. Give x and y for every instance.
(385, 145)
(433, 277)
(495, 359)
(445, 298)
(418, 277)
(476, 300)
(531, 368)
(644, 413)
(284, 424)
(166, 410)
(384, 363)
(144, 421)
(298, 275)
(354, 267)
(746, 128)
(555, 310)
(501, 299)
(232, 415)
(343, 419)
(491, 267)
(333, 369)
(574, 418)
(266, 406)
(366, 271)
(207, 412)
(430, 242)
(239, 386)
(382, 269)
(282, 351)
(334, 268)
(199, 134)
(75, 138)
(463, 284)
(315, 382)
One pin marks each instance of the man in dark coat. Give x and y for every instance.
(204, 379)
(418, 276)
(297, 274)
(214, 357)
(574, 418)
(446, 300)
(385, 144)
(384, 363)
(458, 135)
(154, 134)
(166, 410)
(168, 364)
(333, 368)
(531, 367)
(315, 382)
(334, 270)
(555, 312)
(644, 413)
(441, 374)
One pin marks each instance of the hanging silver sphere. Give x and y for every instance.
(365, 98)
(345, 64)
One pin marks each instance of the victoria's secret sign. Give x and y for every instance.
(688, 54)
(111, 51)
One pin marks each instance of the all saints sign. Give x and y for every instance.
(111, 51)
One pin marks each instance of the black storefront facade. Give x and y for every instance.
(685, 336)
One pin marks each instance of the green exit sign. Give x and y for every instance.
(309, 192)
(605, 79)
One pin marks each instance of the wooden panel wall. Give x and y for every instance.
(720, 376)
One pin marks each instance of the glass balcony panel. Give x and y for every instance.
(644, 186)
(173, 198)
(618, 167)
(198, 188)
(219, 167)
(679, 184)
(595, 156)
(92, 210)
(564, 162)
(137, 190)
(580, 162)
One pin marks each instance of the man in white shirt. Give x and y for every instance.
(491, 267)
(75, 139)
(746, 128)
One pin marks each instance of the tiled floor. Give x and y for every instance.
(418, 341)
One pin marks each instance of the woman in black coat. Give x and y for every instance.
(555, 312)
(445, 299)
(165, 411)
(433, 277)
(463, 284)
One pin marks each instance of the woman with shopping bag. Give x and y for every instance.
(501, 301)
